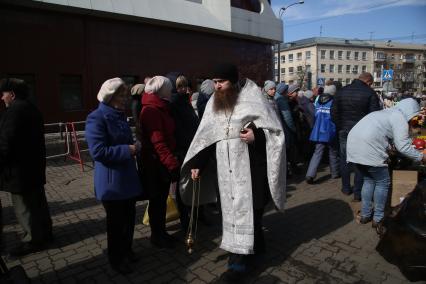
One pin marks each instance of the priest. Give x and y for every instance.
(239, 148)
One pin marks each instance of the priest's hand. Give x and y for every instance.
(195, 173)
(247, 135)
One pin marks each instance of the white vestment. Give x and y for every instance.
(233, 164)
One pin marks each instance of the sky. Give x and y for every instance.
(396, 20)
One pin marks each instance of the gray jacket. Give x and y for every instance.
(370, 137)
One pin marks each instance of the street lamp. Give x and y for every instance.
(280, 13)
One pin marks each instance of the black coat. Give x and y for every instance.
(352, 103)
(186, 122)
(22, 148)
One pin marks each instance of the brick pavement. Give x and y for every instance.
(315, 241)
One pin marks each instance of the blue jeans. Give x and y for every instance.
(346, 169)
(375, 188)
(317, 156)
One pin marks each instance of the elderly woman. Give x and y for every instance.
(116, 180)
(160, 167)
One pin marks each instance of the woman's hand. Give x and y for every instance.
(247, 135)
(195, 173)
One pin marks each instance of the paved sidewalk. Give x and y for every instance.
(315, 241)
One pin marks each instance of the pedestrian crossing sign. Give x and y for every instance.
(387, 75)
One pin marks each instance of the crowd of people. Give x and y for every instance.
(239, 141)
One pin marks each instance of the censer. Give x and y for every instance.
(192, 234)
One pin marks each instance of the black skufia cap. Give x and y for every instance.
(226, 71)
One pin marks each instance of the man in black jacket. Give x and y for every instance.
(351, 104)
(23, 165)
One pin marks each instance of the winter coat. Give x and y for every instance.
(352, 103)
(158, 141)
(287, 118)
(201, 103)
(324, 129)
(109, 136)
(186, 122)
(22, 148)
(369, 139)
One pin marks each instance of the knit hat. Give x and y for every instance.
(18, 86)
(108, 89)
(281, 88)
(137, 89)
(268, 85)
(331, 90)
(293, 88)
(226, 71)
(309, 94)
(207, 87)
(161, 86)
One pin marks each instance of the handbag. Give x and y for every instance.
(172, 213)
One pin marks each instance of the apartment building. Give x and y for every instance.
(305, 61)
(408, 62)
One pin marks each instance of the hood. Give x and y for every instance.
(409, 108)
(153, 100)
(325, 98)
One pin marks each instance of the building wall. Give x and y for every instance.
(409, 68)
(65, 57)
(331, 64)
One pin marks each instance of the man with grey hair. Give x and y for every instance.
(350, 105)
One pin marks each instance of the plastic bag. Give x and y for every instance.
(172, 212)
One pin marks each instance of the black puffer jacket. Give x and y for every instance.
(352, 103)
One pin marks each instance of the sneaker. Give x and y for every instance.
(309, 180)
(363, 220)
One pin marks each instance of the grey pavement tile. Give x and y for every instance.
(315, 241)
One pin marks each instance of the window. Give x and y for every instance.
(283, 71)
(339, 68)
(356, 55)
(398, 66)
(348, 55)
(340, 55)
(290, 58)
(332, 79)
(322, 54)
(380, 55)
(308, 68)
(71, 92)
(355, 69)
(291, 70)
(340, 80)
(331, 68)
(322, 68)
(348, 81)
(299, 68)
(308, 54)
(299, 56)
(393, 56)
(364, 56)
(348, 69)
(331, 54)
(275, 60)
(282, 58)
(364, 68)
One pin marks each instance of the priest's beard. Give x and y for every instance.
(225, 100)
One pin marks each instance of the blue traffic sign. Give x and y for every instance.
(320, 81)
(387, 75)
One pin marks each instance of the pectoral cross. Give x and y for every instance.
(227, 128)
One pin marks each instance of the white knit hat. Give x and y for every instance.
(108, 89)
(331, 90)
(159, 85)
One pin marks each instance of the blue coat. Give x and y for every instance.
(324, 129)
(109, 136)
